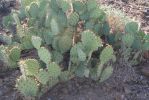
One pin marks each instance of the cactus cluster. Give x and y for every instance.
(72, 38)
(35, 80)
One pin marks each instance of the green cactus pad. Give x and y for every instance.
(107, 72)
(33, 10)
(90, 41)
(43, 77)
(132, 27)
(27, 87)
(64, 5)
(54, 69)
(146, 46)
(82, 71)
(106, 54)
(64, 43)
(36, 41)
(98, 14)
(79, 7)
(128, 39)
(57, 56)
(44, 55)
(29, 67)
(6, 39)
(48, 20)
(77, 54)
(74, 54)
(54, 26)
(65, 76)
(26, 42)
(81, 54)
(15, 53)
(52, 81)
(91, 4)
(55, 43)
(73, 19)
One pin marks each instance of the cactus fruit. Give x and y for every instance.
(44, 55)
(54, 70)
(73, 19)
(27, 86)
(29, 67)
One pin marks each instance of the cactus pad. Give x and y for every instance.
(36, 41)
(43, 77)
(54, 70)
(107, 72)
(27, 86)
(128, 39)
(29, 67)
(73, 19)
(15, 53)
(90, 41)
(106, 54)
(44, 55)
(64, 43)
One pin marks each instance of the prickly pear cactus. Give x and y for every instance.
(29, 67)
(54, 70)
(64, 43)
(43, 77)
(106, 54)
(15, 53)
(44, 55)
(131, 28)
(27, 86)
(6, 39)
(36, 41)
(90, 41)
(107, 72)
(73, 19)
(128, 39)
